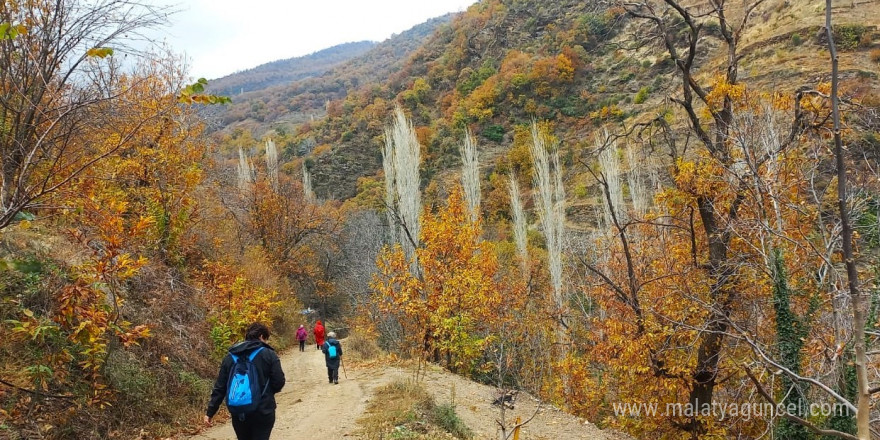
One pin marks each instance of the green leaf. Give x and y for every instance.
(9, 31)
(192, 94)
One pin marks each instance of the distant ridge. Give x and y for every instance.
(288, 70)
(293, 91)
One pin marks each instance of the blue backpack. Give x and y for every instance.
(243, 390)
(331, 351)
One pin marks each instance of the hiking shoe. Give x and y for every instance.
(335, 382)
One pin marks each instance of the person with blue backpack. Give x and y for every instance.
(332, 355)
(249, 377)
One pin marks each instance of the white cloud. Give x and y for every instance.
(224, 36)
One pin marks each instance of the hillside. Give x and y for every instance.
(284, 105)
(285, 71)
(498, 66)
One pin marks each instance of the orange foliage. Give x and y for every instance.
(234, 302)
(451, 306)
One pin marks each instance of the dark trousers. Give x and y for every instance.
(302, 345)
(255, 426)
(333, 374)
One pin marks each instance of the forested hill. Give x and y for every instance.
(285, 104)
(500, 64)
(288, 70)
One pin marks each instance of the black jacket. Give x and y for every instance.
(332, 363)
(268, 369)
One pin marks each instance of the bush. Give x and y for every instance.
(642, 95)
(796, 39)
(848, 37)
(445, 417)
(196, 386)
(494, 133)
(663, 63)
(875, 55)
(362, 347)
(129, 377)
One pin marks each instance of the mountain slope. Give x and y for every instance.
(289, 70)
(576, 64)
(272, 103)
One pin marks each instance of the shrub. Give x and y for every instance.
(866, 40)
(401, 409)
(848, 37)
(796, 39)
(362, 346)
(712, 28)
(642, 95)
(494, 133)
(445, 417)
(664, 62)
(875, 55)
(129, 377)
(197, 387)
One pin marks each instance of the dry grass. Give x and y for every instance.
(362, 347)
(404, 410)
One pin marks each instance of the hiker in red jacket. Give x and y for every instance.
(301, 335)
(319, 334)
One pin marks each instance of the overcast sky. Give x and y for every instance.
(224, 36)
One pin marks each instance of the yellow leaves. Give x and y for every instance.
(702, 177)
(721, 91)
(234, 302)
(564, 67)
(135, 335)
(99, 52)
(781, 101)
(607, 112)
(193, 94)
(9, 31)
(457, 296)
(480, 104)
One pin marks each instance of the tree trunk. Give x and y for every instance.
(863, 405)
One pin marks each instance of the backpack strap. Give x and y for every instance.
(250, 357)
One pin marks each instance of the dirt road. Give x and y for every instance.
(310, 408)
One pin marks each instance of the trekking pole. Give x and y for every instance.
(342, 362)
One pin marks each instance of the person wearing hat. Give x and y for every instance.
(332, 355)
(301, 335)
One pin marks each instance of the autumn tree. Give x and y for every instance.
(401, 160)
(58, 81)
(122, 214)
(715, 213)
(448, 310)
(550, 198)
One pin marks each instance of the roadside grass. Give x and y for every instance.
(404, 410)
